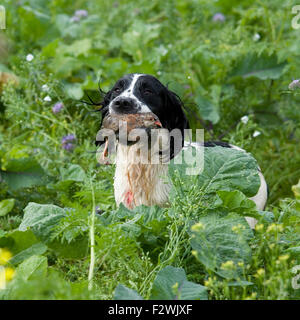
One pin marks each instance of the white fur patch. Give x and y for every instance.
(148, 183)
(260, 199)
(128, 93)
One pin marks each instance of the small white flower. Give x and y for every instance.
(256, 133)
(159, 73)
(256, 37)
(189, 77)
(47, 98)
(29, 57)
(245, 119)
(45, 87)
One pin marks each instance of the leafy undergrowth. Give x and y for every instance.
(232, 72)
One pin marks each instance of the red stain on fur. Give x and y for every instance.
(129, 199)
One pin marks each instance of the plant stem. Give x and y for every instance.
(92, 240)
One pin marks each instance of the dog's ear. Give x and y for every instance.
(174, 116)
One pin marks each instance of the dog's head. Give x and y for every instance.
(141, 93)
(138, 93)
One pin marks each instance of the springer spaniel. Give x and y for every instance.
(137, 183)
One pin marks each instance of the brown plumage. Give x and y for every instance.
(134, 120)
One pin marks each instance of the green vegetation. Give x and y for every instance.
(232, 71)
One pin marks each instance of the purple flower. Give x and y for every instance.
(68, 138)
(68, 146)
(294, 84)
(98, 210)
(57, 107)
(219, 17)
(66, 142)
(81, 13)
(78, 15)
(75, 19)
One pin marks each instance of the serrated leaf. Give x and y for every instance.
(41, 218)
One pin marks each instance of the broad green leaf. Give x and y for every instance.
(262, 67)
(33, 267)
(124, 293)
(208, 110)
(73, 172)
(218, 240)
(171, 284)
(223, 168)
(230, 168)
(36, 249)
(6, 206)
(23, 173)
(17, 241)
(191, 291)
(41, 218)
(236, 201)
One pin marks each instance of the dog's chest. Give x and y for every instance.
(137, 183)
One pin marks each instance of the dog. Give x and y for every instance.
(143, 184)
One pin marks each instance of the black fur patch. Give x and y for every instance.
(217, 143)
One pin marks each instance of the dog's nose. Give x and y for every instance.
(123, 104)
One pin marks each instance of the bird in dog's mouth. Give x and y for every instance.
(113, 123)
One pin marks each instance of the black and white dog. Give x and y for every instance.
(137, 183)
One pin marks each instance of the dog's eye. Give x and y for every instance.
(147, 92)
(117, 90)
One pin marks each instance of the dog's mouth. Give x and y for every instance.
(126, 129)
